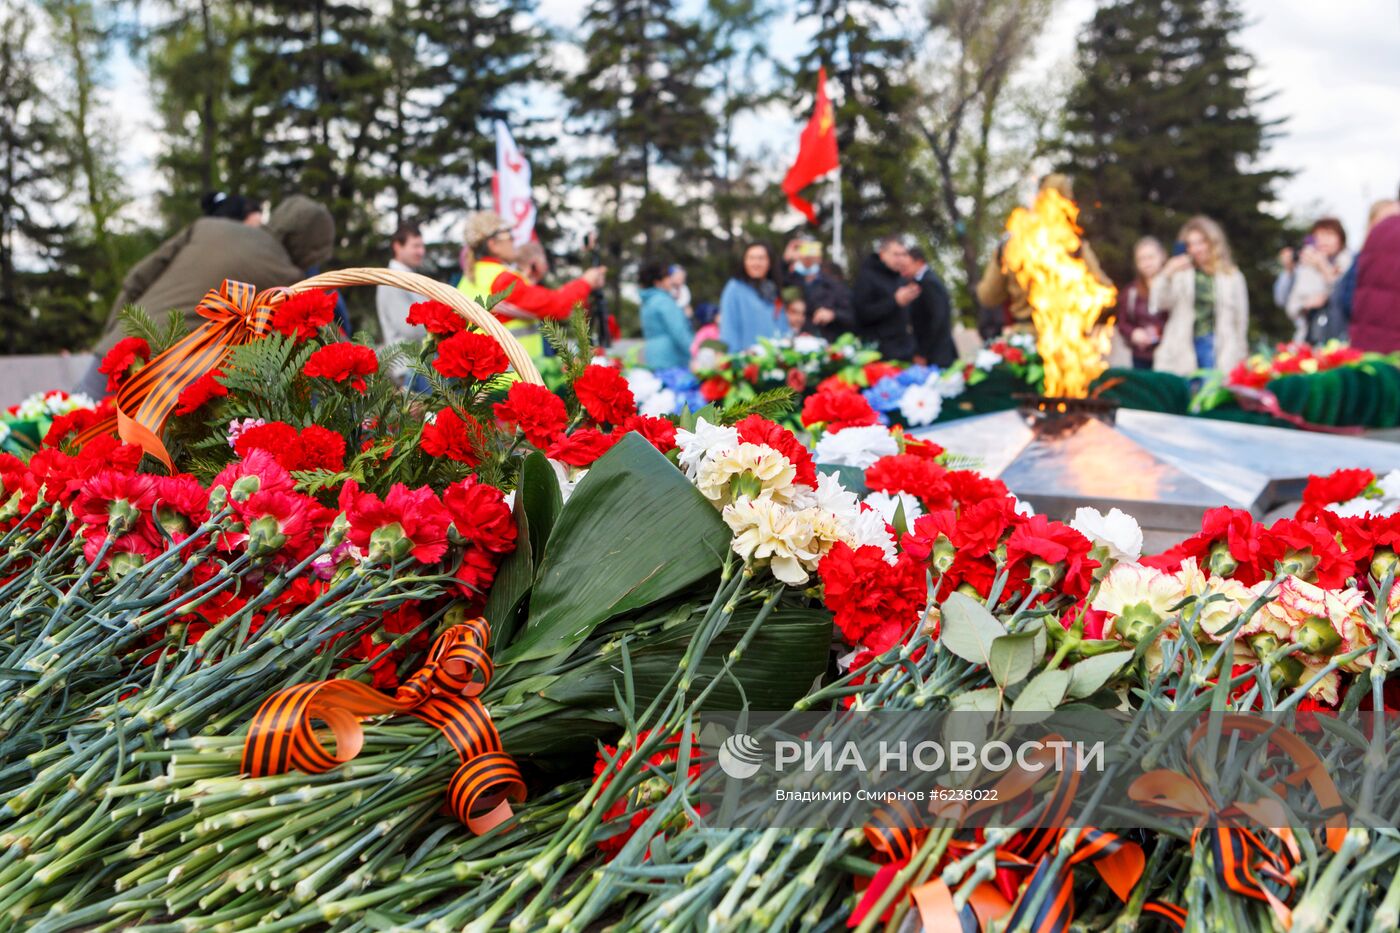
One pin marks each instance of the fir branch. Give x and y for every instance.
(772, 405)
(137, 322)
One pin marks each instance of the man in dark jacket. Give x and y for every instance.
(185, 267)
(1375, 309)
(931, 315)
(882, 297)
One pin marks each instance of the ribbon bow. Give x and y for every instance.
(1241, 857)
(1118, 861)
(443, 693)
(236, 313)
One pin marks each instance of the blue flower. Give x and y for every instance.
(916, 375)
(677, 379)
(885, 394)
(690, 398)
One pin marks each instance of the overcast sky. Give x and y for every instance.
(1332, 66)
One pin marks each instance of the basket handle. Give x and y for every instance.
(437, 291)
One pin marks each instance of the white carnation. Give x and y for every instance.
(857, 447)
(768, 530)
(1117, 531)
(807, 343)
(695, 445)
(920, 405)
(774, 472)
(887, 505)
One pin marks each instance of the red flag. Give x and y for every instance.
(816, 151)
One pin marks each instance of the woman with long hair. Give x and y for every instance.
(749, 306)
(1203, 294)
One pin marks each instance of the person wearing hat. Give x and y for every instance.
(999, 288)
(491, 252)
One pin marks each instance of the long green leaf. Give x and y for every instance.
(634, 532)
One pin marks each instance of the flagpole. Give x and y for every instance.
(838, 250)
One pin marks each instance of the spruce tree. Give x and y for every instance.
(34, 173)
(1163, 124)
(643, 97)
(868, 59)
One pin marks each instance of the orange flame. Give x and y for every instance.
(1065, 298)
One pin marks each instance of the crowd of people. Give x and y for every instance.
(1180, 312)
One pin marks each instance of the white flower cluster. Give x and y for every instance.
(51, 405)
(776, 519)
(653, 398)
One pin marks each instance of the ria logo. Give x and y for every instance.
(740, 756)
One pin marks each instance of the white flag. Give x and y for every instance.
(512, 187)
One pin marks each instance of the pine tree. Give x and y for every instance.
(1163, 124)
(642, 94)
(34, 167)
(189, 58)
(83, 33)
(857, 41)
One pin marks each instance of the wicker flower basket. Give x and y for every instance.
(478, 316)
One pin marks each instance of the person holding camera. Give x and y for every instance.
(1304, 288)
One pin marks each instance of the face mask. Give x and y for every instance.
(804, 269)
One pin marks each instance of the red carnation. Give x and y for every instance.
(76, 421)
(436, 318)
(481, 515)
(449, 435)
(874, 372)
(605, 395)
(969, 486)
(926, 449)
(259, 463)
(406, 521)
(301, 315)
(538, 412)
(1340, 486)
(714, 388)
(126, 353)
(582, 447)
(1312, 547)
(197, 393)
(662, 761)
(320, 449)
(343, 362)
(114, 494)
(659, 432)
(796, 379)
(469, 355)
(755, 429)
(1055, 544)
(1242, 540)
(837, 410)
(918, 476)
(750, 372)
(276, 437)
(873, 603)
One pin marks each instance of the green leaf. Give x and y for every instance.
(635, 531)
(968, 629)
(513, 579)
(1043, 693)
(1092, 673)
(538, 488)
(987, 700)
(1013, 656)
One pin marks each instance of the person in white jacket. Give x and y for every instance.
(1203, 293)
(392, 303)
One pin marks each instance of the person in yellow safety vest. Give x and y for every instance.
(488, 271)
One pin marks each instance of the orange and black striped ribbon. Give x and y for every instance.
(443, 693)
(236, 313)
(896, 833)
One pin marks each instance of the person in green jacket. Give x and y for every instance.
(664, 325)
